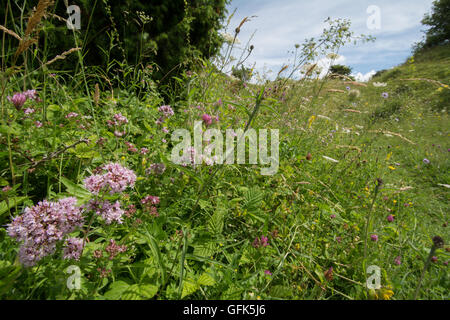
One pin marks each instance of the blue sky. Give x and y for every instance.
(280, 24)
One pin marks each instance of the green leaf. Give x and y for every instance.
(12, 203)
(253, 198)
(206, 280)
(205, 249)
(116, 290)
(3, 182)
(215, 224)
(189, 287)
(140, 292)
(75, 190)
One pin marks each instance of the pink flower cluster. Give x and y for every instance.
(156, 168)
(108, 211)
(207, 119)
(116, 179)
(149, 202)
(114, 249)
(131, 147)
(19, 98)
(150, 199)
(71, 115)
(40, 228)
(28, 111)
(263, 242)
(118, 120)
(73, 248)
(167, 112)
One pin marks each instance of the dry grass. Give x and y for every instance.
(62, 56)
(336, 90)
(355, 83)
(33, 22)
(10, 32)
(37, 16)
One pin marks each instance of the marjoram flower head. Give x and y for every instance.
(116, 179)
(41, 227)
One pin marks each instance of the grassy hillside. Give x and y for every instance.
(363, 181)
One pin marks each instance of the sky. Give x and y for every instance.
(280, 24)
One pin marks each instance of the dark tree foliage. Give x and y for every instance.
(439, 22)
(340, 69)
(169, 33)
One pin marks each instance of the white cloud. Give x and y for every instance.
(281, 24)
(364, 77)
(326, 63)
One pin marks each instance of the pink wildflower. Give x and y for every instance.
(207, 119)
(71, 115)
(29, 111)
(167, 111)
(73, 249)
(18, 100)
(114, 249)
(108, 211)
(150, 199)
(120, 119)
(40, 227)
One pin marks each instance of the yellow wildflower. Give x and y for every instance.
(389, 156)
(310, 121)
(387, 293)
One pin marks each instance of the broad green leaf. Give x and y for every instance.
(206, 280)
(189, 287)
(205, 249)
(140, 292)
(75, 190)
(215, 224)
(116, 290)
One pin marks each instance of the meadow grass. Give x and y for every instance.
(363, 180)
